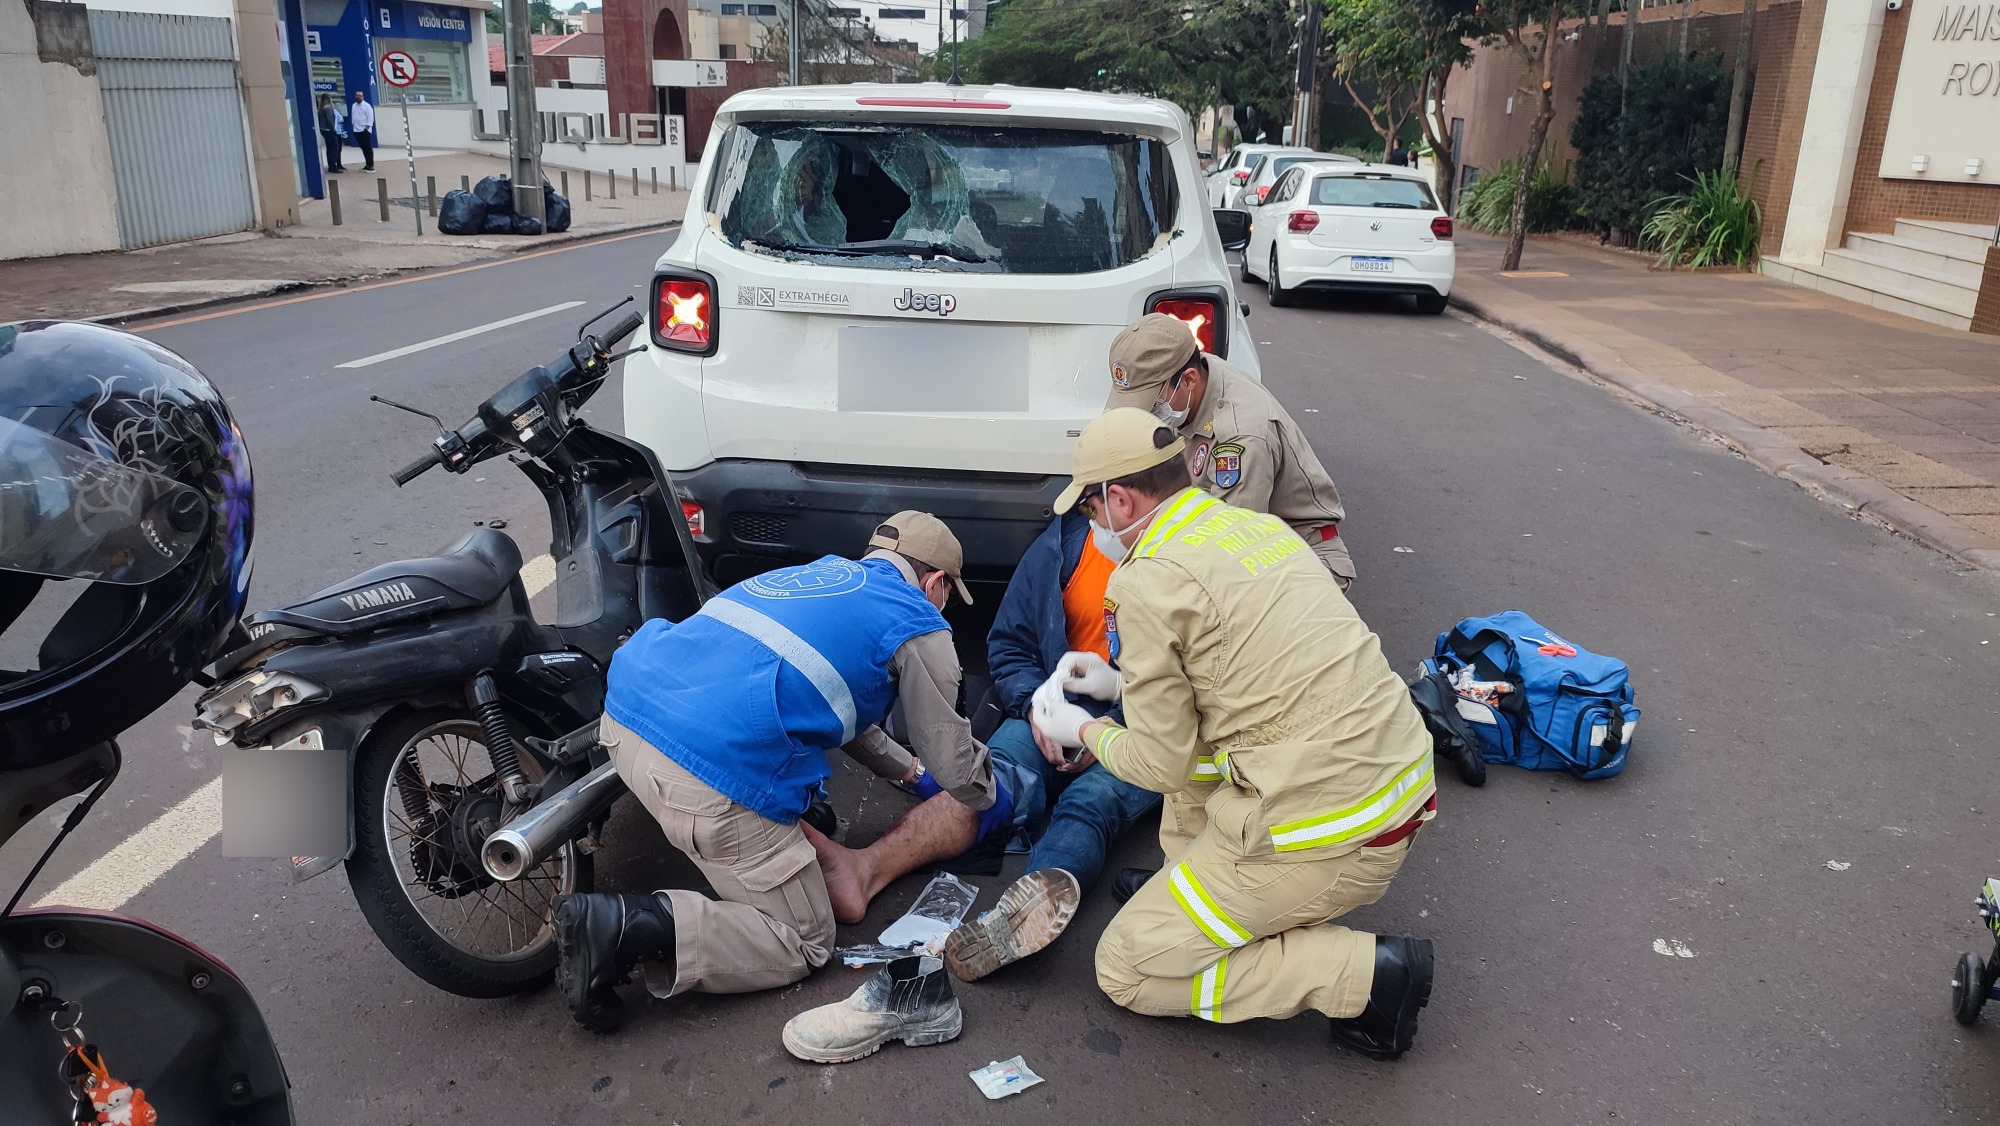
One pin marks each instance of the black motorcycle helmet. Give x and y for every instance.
(120, 468)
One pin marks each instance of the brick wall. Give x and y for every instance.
(1875, 203)
(1787, 47)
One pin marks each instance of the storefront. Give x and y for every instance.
(346, 38)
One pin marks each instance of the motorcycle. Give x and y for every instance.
(475, 785)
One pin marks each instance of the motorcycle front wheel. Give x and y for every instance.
(425, 798)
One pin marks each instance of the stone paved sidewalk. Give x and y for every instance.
(1891, 416)
(131, 285)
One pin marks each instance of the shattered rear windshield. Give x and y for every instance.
(946, 197)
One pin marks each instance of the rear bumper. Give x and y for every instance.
(762, 514)
(1331, 268)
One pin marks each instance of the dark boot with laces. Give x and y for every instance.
(599, 939)
(909, 1000)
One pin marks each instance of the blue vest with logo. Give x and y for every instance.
(749, 694)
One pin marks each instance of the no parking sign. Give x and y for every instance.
(398, 69)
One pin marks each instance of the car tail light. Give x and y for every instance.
(1241, 176)
(1302, 221)
(684, 314)
(1199, 313)
(1441, 226)
(697, 520)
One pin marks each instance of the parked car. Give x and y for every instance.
(902, 296)
(1364, 227)
(1227, 178)
(1274, 165)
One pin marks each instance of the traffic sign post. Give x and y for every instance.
(399, 69)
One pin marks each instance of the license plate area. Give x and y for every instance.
(1363, 265)
(933, 369)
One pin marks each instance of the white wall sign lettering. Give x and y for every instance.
(690, 72)
(1947, 106)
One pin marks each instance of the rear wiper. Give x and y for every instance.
(910, 246)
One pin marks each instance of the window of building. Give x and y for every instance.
(732, 9)
(441, 69)
(726, 50)
(844, 13)
(763, 9)
(902, 14)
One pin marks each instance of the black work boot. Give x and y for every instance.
(909, 1000)
(1128, 881)
(599, 938)
(1388, 1026)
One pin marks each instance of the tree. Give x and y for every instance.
(1420, 42)
(1739, 89)
(1532, 28)
(1372, 46)
(833, 48)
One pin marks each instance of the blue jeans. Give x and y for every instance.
(1088, 814)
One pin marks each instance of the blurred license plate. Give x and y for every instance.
(1377, 265)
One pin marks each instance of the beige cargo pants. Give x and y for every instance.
(772, 923)
(1213, 937)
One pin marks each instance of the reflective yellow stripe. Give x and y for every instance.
(1111, 731)
(1213, 921)
(1207, 1002)
(1363, 820)
(1207, 768)
(1170, 523)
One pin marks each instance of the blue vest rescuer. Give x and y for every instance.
(749, 694)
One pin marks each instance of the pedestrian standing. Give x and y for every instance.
(362, 120)
(1398, 155)
(329, 132)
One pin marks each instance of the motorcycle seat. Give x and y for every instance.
(473, 572)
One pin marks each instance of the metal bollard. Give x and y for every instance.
(656, 179)
(635, 183)
(465, 183)
(671, 177)
(431, 194)
(586, 185)
(382, 195)
(333, 197)
(565, 184)
(611, 180)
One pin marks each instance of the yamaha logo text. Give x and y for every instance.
(913, 302)
(388, 594)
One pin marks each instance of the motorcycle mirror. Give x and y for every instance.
(421, 413)
(586, 325)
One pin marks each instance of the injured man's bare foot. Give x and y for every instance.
(840, 867)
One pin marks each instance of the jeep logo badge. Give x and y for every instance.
(911, 301)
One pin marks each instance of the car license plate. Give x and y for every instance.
(1375, 265)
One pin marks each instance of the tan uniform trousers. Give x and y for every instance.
(772, 923)
(1217, 938)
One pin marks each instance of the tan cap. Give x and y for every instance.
(924, 538)
(1118, 443)
(1144, 354)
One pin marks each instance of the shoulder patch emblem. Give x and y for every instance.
(1200, 459)
(1111, 626)
(1228, 459)
(1119, 378)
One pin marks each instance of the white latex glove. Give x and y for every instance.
(1060, 721)
(1087, 674)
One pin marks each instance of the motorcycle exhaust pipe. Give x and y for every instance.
(534, 836)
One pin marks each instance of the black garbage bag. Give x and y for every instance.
(461, 213)
(497, 193)
(498, 223)
(527, 225)
(555, 210)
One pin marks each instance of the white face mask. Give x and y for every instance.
(1111, 542)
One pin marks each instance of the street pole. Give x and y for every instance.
(523, 141)
(1303, 113)
(793, 43)
(954, 80)
(410, 153)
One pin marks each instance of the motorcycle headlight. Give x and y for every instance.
(251, 699)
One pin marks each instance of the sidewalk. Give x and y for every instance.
(129, 285)
(1891, 417)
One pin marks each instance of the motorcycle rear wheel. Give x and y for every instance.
(415, 872)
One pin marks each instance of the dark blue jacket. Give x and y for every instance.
(1029, 634)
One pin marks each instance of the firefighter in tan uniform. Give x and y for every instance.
(1241, 445)
(1250, 685)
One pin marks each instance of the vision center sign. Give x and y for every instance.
(1945, 121)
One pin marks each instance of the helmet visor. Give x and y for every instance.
(67, 513)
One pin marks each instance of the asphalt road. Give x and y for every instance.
(1815, 689)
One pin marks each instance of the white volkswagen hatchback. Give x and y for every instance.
(902, 296)
(1360, 227)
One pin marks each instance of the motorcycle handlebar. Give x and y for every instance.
(415, 469)
(632, 323)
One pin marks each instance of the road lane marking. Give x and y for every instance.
(116, 878)
(320, 295)
(455, 337)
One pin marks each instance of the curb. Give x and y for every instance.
(1764, 448)
(152, 312)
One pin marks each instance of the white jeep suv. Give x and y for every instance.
(902, 296)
